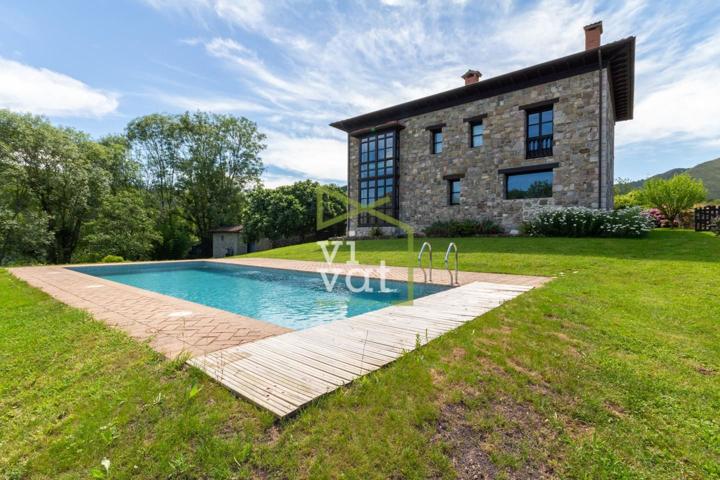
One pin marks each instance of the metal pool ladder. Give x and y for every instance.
(447, 265)
(422, 249)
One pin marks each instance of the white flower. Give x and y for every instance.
(106, 464)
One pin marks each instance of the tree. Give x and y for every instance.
(274, 214)
(155, 144)
(629, 199)
(124, 227)
(306, 193)
(198, 165)
(623, 186)
(23, 235)
(58, 172)
(290, 211)
(673, 196)
(114, 157)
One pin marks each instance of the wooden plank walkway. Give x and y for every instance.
(285, 372)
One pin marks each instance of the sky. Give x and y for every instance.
(295, 66)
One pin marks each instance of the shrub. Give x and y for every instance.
(629, 199)
(112, 259)
(376, 232)
(673, 196)
(463, 228)
(685, 219)
(587, 222)
(656, 216)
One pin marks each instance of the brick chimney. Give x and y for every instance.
(592, 35)
(471, 76)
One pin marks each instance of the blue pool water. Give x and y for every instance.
(289, 298)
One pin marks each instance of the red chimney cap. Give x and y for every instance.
(471, 76)
(593, 26)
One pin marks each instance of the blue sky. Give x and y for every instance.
(295, 66)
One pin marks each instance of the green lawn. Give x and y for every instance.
(610, 371)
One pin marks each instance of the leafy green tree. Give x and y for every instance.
(306, 193)
(221, 161)
(114, 157)
(124, 227)
(274, 214)
(24, 236)
(623, 186)
(57, 169)
(155, 143)
(198, 165)
(673, 196)
(629, 199)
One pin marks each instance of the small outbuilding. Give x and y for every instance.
(228, 241)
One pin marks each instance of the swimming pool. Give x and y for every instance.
(288, 298)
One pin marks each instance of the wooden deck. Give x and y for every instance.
(285, 372)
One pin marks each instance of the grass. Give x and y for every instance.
(610, 371)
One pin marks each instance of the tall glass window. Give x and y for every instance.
(378, 168)
(454, 191)
(540, 132)
(476, 134)
(437, 141)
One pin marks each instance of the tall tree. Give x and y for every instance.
(220, 161)
(155, 143)
(59, 171)
(124, 227)
(198, 165)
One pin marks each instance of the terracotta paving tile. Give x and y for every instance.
(144, 315)
(148, 316)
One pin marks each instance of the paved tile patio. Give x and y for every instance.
(172, 326)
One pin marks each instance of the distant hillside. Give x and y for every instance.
(708, 172)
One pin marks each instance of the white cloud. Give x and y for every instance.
(678, 98)
(247, 13)
(313, 67)
(274, 180)
(320, 158)
(211, 104)
(41, 91)
(685, 108)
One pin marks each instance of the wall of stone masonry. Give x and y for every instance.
(424, 191)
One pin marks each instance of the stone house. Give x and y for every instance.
(228, 241)
(498, 148)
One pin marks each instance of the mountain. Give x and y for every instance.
(708, 172)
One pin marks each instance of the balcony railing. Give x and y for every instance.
(540, 146)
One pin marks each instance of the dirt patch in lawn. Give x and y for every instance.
(502, 439)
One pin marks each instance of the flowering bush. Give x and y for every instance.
(684, 219)
(587, 222)
(657, 217)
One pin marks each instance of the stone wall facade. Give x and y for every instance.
(583, 177)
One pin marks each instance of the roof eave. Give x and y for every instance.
(571, 63)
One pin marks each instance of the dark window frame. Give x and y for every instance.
(473, 122)
(434, 143)
(451, 182)
(540, 145)
(510, 172)
(477, 123)
(370, 178)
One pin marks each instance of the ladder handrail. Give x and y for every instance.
(422, 249)
(447, 265)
